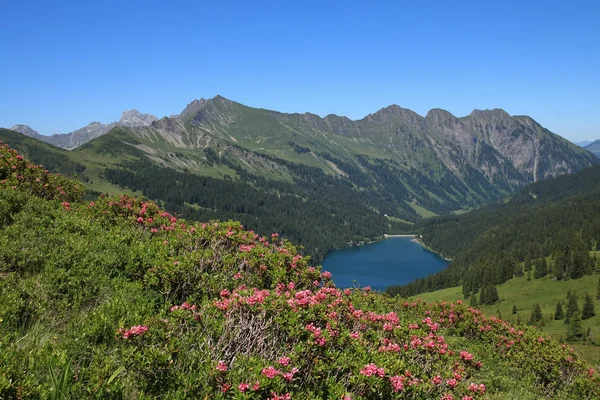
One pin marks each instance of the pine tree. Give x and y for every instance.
(536, 314)
(575, 329)
(541, 269)
(580, 258)
(514, 310)
(561, 263)
(483, 296)
(527, 264)
(588, 307)
(528, 276)
(474, 302)
(489, 295)
(518, 269)
(559, 313)
(591, 265)
(572, 306)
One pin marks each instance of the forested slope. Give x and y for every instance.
(557, 218)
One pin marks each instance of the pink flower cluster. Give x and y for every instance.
(473, 387)
(184, 306)
(133, 331)
(372, 369)
(221, 366)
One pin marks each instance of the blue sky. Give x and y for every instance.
(65, 64)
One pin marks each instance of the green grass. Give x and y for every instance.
(546, 292)
(422, 211)
(400, 220)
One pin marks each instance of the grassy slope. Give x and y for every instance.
(546, 292)
(66, 162)
(76, 276)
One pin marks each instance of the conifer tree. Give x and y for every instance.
(514, 310)
(572, 306)
(518, 269)
(559, 313)
(541, 269)
(483, 296)
(473, 302)
(588, 307)
(591, 265)
(536, 314)
(528, 276)
(489, 295)
(580, 258)
(527, 264)
(575, 329)
(561, 263)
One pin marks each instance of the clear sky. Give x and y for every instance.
(66, 63)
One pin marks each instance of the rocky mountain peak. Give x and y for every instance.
(192, 109)
(395, 111)
(496, 113)
(136, 118)
(439, 115)
(26, 130)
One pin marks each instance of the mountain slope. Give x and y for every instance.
(118, 299)
(54, 159)
(556, 218)
(83, 135)
(439, 162)
(594, 148)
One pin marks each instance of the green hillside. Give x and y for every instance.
(547, 292)
(118, 299)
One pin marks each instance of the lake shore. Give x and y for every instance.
(415, 238)
(418, 240)
(385, 236)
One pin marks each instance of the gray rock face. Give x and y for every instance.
(27, 131)
(69, 141)
(190, 111)
(135, 118)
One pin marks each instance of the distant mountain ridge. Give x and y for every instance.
(69, 141)
(485, 138)
(483, 156)
(594, 148)
(416, 165)
(584, 143)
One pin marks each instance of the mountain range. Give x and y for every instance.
(323, 182)
(93, 130)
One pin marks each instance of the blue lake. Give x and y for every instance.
(393, 261)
